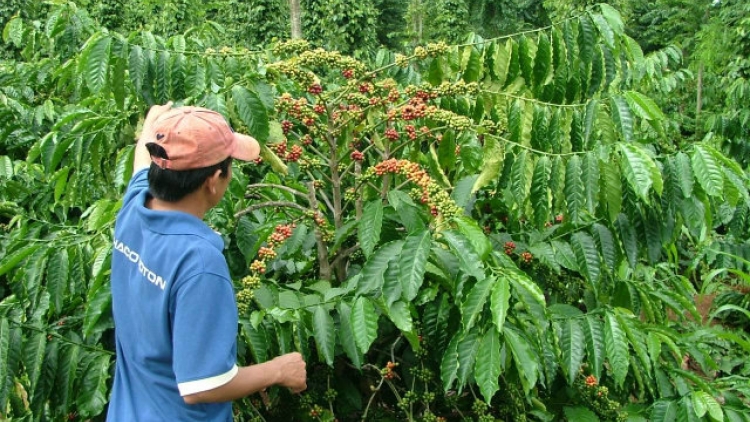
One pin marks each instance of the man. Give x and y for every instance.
(172, 298)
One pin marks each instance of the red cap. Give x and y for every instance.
(196, 137)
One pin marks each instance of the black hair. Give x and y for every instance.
(173, 185)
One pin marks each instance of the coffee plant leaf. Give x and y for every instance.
(372, 273)
(500, 302)
(449, 363)
(469, 261)
(370, 226)
(412, 263)
(580, 413)
(252, 112)
(489, 364)
(346, 334)
(572, 347)
(526, 362)
(475, 302)
(364, 322)
(467, 348)
(324, 333)
(594, 341)
(616, 347)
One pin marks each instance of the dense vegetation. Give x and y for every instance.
(515, 211)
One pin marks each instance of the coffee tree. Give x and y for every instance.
(499, 229)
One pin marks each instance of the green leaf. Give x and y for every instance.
(468, 260)
(400, 315)
(475, 235)
(707, 170)
(449, 363)
(590, 177)
(488, 365)
(474, 65)
(587, 256)
(467, 356)
(616, 346)
(604, 29)
(613, 18)
(540, 199)
(57, 277)
(640, 170)
(492, 163)
(527, 363)
(33, 351)
(574, 188)
(346, 334)
(501, 61)
(572, 347)
(95, 62)
(252, 112)
(364, 323)
(611, 189)
(370, 226)
(643, 106)
(664, 411)
(580, 414)
(124, 166)
(473, 306)
(10, 261)
(518, 181)
(412, 262)
(324, 333)
(543, 61)
(257, 340)
(92, 395)
(595, 350)
(622, 117)
(704, 403)
(97, 306)
(137, 67)
(500, 302)
(373, 270)
(66, 375)
(5, 374)
(606, 243)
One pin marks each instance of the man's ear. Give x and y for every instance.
(212, 182)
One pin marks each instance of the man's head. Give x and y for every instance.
(189, 146)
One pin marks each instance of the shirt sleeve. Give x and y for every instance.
(137, 184)
(204, 334)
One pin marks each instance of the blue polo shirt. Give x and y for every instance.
(175, 314)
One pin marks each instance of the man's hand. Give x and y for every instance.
(292, 372)
(142, 158)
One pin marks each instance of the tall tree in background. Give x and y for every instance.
(296, 18)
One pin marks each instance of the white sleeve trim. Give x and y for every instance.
(205, 384)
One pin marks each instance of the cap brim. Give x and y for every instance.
(246, 147)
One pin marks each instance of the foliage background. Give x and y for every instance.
(617, 164)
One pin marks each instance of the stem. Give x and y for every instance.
(358, 201)
(325, 267)
(268, 204)
(275, 186)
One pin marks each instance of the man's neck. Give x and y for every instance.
(188, 204)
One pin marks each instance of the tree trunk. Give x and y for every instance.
(294, 12)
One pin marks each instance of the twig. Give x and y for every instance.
(269, 204)
(275, 186)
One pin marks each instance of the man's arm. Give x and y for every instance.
(286, 371)
(142, 158)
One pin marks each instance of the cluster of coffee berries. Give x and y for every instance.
(316, 412)
(428, 192)
(292, 70)
(347, 73)
(357, 155)
(431, 417)
(402, 61)
(315, 89)
(436, 49)
(526, 257)
(323, 58)
(291, 47)
(392, 134)
(596, 397)
(387, 372)
(509, 247)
